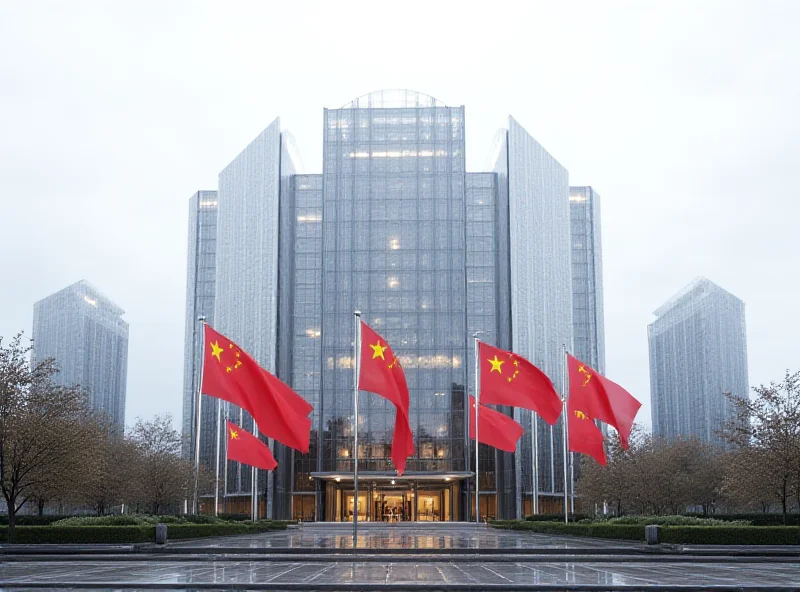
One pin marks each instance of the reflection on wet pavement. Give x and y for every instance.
(435, 573)
(466, 537)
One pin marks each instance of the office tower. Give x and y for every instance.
(431, 255)
(200, 290)
(83, 331)
(588, 332)
(698, 352)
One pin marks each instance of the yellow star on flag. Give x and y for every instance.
(378, 350)
(496, 365)
(216, 350)
(234, 435)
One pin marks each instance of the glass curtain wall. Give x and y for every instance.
(393, 246)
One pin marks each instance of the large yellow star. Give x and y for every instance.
(216, 350)
(378, 350)
(496, 365)
(234, 435)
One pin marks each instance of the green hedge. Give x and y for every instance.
(730, 535)
(697, 535)
(554, 517)
(132, 534)
(756, 519)
(31, 520)
(29, 535)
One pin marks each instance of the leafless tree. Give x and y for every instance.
(163, 476)
(43, 428)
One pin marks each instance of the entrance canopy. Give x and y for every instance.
(387, 478)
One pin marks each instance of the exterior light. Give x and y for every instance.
(338, 479)
(447, 478)
(392, 481)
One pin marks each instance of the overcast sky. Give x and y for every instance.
(682, 115)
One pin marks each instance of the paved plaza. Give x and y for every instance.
(417, 557)
(403, 536)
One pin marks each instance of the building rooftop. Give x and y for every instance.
(393, 98)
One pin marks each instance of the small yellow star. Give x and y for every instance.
(378, 350)
(216, 350)
(230, 345)
(496, 365)
(237, 364)
(228, 369)
(234, 435)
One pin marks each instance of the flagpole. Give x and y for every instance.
(225, 472)
(477, 445)
(535, 452)
(565, 389)
(253, 493)
(356, 358)
(254, 501)
(572, 483)
(216, 489)
(195, 501)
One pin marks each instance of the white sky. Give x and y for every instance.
(682, 115)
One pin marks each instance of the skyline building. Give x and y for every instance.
(83, 331)
(431, 254)
(698, 352)
(200, 291)
(588, 327)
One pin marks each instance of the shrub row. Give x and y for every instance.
(698, 535)
(554, 517)
(665, 521)
(31, 520)
(132, 534)
(756, 519)
(136, 520)
(30, 535)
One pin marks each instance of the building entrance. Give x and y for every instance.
(379, 502)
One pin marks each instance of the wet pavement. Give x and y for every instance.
(422, 557)
(418, 537)
(435, 575)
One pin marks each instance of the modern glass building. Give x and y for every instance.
(200, 290)
(698, 352)
(588, 330)
(83, 331)
(431, 254)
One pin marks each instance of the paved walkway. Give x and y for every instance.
(308, 558)
(421, 537)
(433, 575)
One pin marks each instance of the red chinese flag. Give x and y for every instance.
(245, 448)
(583, 435)
(494, 428)
(509, 379)
(232, 375)
(382, 374)
(602, 399)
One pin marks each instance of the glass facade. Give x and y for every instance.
(698, 351)
(540, 292)
(393, 246)
(200, 290)
(431, 255)
(246, 300)
(83, 331)
(588, 331)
